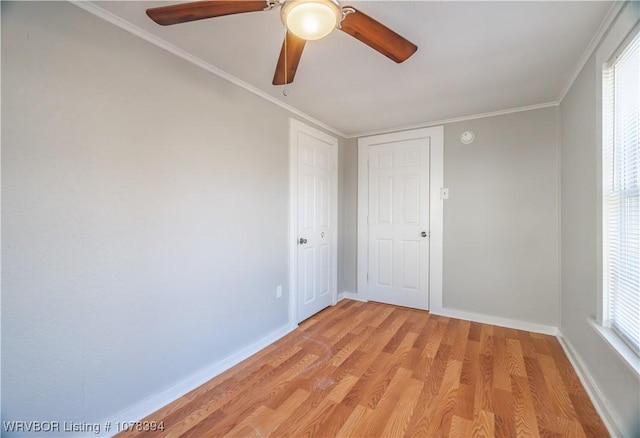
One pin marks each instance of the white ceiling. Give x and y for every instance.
(472, 58)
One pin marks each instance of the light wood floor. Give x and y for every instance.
(374, 370)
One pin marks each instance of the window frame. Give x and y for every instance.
(601, 324)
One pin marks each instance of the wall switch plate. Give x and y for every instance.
(279, 291)
(444, 193)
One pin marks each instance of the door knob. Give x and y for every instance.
(302, 241)
(424, 234)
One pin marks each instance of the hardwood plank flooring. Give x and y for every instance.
(375, 370)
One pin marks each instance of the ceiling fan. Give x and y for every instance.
(304, 20)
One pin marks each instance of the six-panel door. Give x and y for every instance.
(314, 225)
(399, 223)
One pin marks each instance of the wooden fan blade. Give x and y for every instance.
(378, 36)
(185, 12)
(289, 58)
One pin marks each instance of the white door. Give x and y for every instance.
(316, 221)
(399, 223)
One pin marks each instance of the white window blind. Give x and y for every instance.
(621, 190)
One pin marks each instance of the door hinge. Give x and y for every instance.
(369, 164)
(367, 277)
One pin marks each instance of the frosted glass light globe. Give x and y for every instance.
(311, 20)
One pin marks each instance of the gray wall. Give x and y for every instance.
(349, 244)
(144, 219)
(501, 218)
(580, 112)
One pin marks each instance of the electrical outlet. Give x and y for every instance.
(279, 291)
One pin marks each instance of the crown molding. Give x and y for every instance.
(135, 30)
(614, 10)
(457, 119)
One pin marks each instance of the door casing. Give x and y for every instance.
(295, 127)
(436, 183)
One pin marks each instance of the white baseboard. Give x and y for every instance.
(495, 320)
(609, 418)
(350, 296)
(157, 401)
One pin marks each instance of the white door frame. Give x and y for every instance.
(295, 126)
(436, 182)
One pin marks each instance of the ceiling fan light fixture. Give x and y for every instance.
(311, 19)
(303, 19)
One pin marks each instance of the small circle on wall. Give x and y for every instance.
(467, 137)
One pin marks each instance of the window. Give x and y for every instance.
(621, 194)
